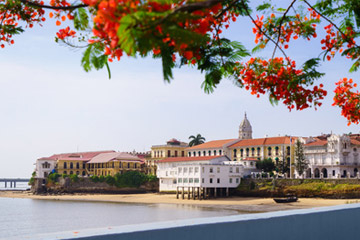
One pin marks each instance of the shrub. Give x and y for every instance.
(32, 179)
(94, 178)
(74, 177)
(53, 177)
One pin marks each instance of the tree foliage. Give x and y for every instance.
(301, 164)
(196, 140)
(189, 32)
(266, 165)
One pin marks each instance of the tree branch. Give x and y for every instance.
(34, 4)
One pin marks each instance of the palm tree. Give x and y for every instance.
(196, 140)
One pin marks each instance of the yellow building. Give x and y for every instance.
(172, 148)
(74, 163)
(113, 163)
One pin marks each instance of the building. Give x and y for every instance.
(172, 148)
(332, 156)
(205, 171)
(112, 163)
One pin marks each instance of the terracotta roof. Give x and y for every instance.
(250, 159)
(318, 142)
(355, 141)
(111, 156)
(263, 141)
(85, 156)
(189, 159)
(211, 144)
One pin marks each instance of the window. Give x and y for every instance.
(175, 153)
(220, 152)
(333, 173)
(234, 152)
(169, 153)
(237, 180)
(241, 152)
(174, 181)
(191, 180)
(288, 150)
(83, 166)
(247, 152)
(218, 170)
(269, 151)
(183, 153)
(179, 180)
(196, 180)
(251, 163)
(258, 151)
(211, 170)
(77, 165)
(77, 173)
(65, 165)
(218, 180)
(179, 170)
(354, 149)
(194, 154)
(71, 165)
(252, 152)
(214, 152)
(128, 165)
(203, 169)
(244, 163)
(204, 153)
(190, 170)
(211, 180)
(230, 180)
(83, 173)
(231, 170)
(277, 151)
(185, 169)
(185, 180)
(209, 153)
(196, 169)
(203, 180)
(199, 153)
(237, 170)
(189, 153)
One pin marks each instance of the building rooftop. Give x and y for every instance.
(212, 144)
(189, 159)
(113, 156)
(82, 156)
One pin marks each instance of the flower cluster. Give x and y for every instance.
(348, 100)
(64, 33)
(280, 78)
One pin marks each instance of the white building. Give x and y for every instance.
(205, 171)
(332, 156)
(44, 166)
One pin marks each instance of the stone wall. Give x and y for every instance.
(325, 188)
(85, 185)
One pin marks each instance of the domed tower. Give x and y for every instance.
(245, 129)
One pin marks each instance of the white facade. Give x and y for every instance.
(332, 156)
(44, 167)
(197, 173)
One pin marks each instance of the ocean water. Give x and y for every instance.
(28, 217)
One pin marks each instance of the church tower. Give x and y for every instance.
(245, 129)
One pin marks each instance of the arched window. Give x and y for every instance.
(214, 152)
(288, 150)
(209, 153)
(183, 153)
(269, 151)
(220, 152)
(241, 152)
(71, 165)
(204, 153)
(175, 153)
(169, 153)
(189, 153)
(83, 173)
(65, 165)
(77, 165)
(199, 153)
(258, 151)
(234, 152)
(77, 173)
(247, 152)
(277, 151)
(128, 165)
(252, 152)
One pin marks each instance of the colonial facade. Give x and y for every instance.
(332, 156)
(209, 172)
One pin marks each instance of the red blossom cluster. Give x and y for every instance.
(64, 33)
(334, 41)
(288, 30)
(11, 17)
(348, 100)
(280, 78)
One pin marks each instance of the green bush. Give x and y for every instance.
(94, 178)
(74, 177)
(32, 179)
(64, 175)
(53, 177)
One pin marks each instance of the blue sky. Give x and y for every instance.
(48, 104)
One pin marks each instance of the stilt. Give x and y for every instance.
(177, 192)
(227, 192)
(182, 193)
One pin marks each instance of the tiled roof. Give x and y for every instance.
(263, 141)
(355, 141)
(250, 159)
(106, 157)
(188, 159)
(317, 142)
(85, 156)
(211, 144)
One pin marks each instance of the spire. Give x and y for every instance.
(245, 129)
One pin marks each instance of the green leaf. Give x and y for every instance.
(263, 6)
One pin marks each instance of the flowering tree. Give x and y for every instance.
(189, 32)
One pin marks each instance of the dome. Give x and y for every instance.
(245, 129)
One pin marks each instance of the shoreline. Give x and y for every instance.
(239, 204)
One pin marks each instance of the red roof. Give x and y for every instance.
(78, 156)
(250, 159)
(317, 142)
(189, 159)
(263, 141)
(211, 144)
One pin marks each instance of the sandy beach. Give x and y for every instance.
(234, 203)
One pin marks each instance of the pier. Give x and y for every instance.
(11, 182)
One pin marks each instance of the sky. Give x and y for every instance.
(49, 104)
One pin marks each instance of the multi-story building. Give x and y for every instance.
(172, 148)
(209, 172)
(112, 163)
(332, 156)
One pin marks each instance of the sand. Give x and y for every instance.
(240, 204)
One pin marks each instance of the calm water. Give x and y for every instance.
(26, 217)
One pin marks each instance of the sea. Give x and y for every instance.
(24, 218)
